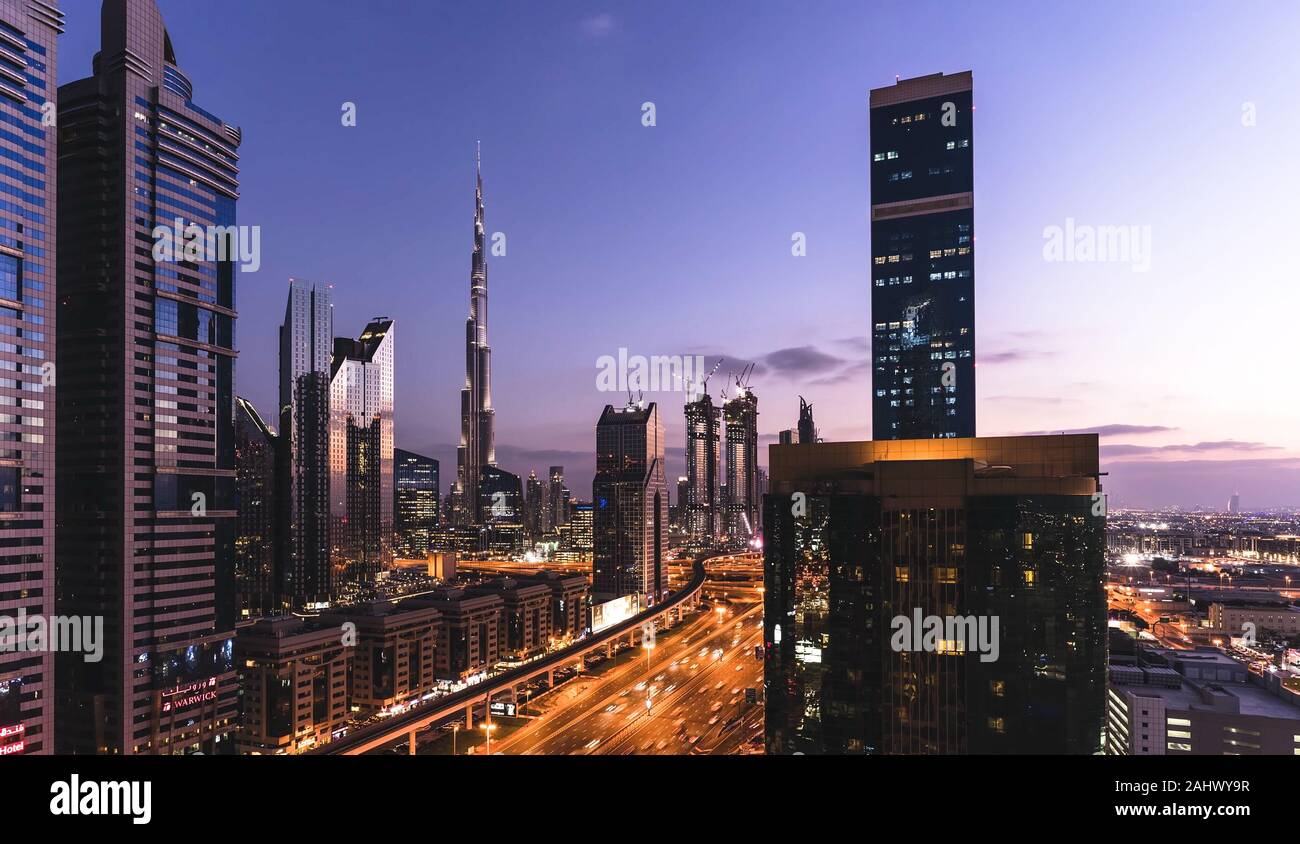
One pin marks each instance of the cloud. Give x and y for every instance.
(1128, 450)
(800, 361)
(1010, 356)
(598, 26)
(1118, 430)
(1263, 483)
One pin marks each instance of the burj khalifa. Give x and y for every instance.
(477, 448)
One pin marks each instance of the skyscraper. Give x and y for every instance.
(807, 430)
(703, 421)
(742, 504)
(361, 454)
(865, 542)
(501, 507)
(306, 343)
(257, 539)
(533, 509)
(29, 32)
(923, 259)
(146, 459)
(558, 499)
(630, 497)
(415, 502)
(477, 448)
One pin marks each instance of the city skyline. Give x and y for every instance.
(591, 183)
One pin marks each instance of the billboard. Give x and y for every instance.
(613, 612)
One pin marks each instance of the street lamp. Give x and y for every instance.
(455, 728)
(487, 730)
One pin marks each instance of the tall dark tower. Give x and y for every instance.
(923, 259)
(477, 449)
(146, 459)
(630, 494)
(807, 430)
(701, 513)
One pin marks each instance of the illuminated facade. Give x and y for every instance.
(146, 460)
(703, 421)
(29, 32)
(415, 504)
(293, 674)
(923, 259)
(477, 418)
(742, 505)
(1004, 532)
(361, 454)
(630, 519)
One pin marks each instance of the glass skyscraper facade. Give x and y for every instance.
(29, 33)
(361, 455)
(630, 498)
(257, 500)
(146, 463)
(861, 539)
(415, 505)
(306, 345)
(923, 259)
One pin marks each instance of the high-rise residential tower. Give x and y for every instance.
(146, 459)
(935, 598)
(29, 32)
(533, 509)
(477, 447)
(700, 506)
(257, 539)
(415, 502)
(923, 259)
(306, 344)
(361, 454)
(630, 497)
(742, 506)
(557, 499)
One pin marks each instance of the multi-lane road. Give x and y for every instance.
(695, 681)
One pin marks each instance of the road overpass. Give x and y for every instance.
(506, 684)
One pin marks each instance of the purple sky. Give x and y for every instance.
(676, 239)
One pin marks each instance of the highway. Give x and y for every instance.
(695, 679)
(380, 735)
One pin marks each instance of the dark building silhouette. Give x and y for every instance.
(923, 259)
(501, 508)
(807, 430)
(30, 256)
(415, 503)
(306, 343)
(534, 506)
(630, 498)
(257, 538)
(1008, 533)
(146, 459)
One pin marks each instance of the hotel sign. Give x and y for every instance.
(185, 696)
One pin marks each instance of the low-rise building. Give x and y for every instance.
(525, 622)
(469, 636)
(1233, 620)
(1199, 702)
(294, 679)
(396, 647)
(568, 601)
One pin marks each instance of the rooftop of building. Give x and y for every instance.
(921, 87)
